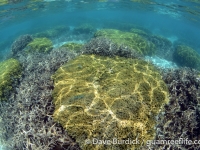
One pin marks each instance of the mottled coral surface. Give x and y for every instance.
(187, 56)
(101, 97)
(132, 40)
(9, 71)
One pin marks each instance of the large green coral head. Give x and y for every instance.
(186, 56)
(10, 70)
(106, 98)
(130, 39)
(42, 45)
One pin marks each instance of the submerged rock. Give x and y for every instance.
(20, 44)
(186, 56)
(104, 98)
(42, 45)
(132, 40)
(10, 70)
(105, 47)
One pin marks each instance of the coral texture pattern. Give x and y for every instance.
(44, 45)
(10, 70)
(105, 98)
(186, 56)
(132, 40)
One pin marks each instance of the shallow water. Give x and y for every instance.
(176, 21)
(179, 19)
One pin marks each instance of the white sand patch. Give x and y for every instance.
(172, 38)
(161, 63)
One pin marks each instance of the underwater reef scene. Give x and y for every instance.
(104, 98)
(64, 97)
(99, 85)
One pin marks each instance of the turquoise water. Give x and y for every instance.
(177, 22)
(178, 19)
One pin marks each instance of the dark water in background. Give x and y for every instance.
(174, 20)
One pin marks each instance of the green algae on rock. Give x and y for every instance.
(186, 56)
(42, 45)
(103, 98)
(132, 40)
(10, 70)
(4, 2)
